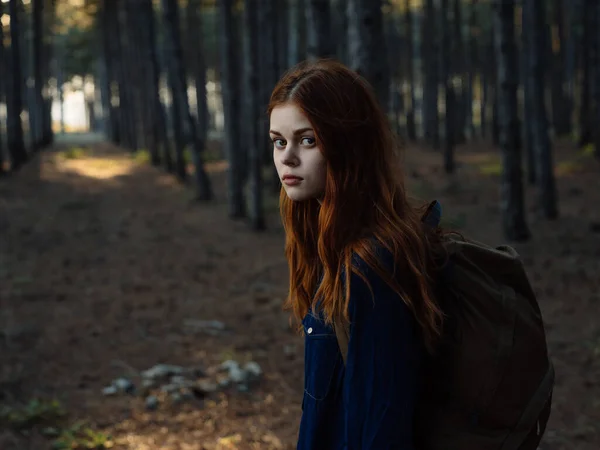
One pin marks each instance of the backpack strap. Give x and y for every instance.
(433, 214)
(342, 332)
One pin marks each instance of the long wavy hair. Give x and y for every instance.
(364, 198)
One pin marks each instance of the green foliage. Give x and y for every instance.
(74, 153)
(491, 168)
(51, 416)
(81, 436)
(33, 413)
(588, 150)
(142, 156)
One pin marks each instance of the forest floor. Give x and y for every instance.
(108, 267)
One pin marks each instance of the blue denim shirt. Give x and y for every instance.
(369, 404)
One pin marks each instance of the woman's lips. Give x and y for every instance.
(291, 180)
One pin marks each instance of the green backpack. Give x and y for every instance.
(489, 385)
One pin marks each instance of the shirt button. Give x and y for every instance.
(309, 331)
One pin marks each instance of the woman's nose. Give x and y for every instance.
(289, 157)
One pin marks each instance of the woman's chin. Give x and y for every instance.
(296, 196)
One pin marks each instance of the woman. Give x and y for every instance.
(345, 210)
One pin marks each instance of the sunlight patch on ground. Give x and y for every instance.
(98, 168)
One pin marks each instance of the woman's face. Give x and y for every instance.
(300, 164)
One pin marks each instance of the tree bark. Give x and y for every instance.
(159, 117)
(36, 113)
(340, 19)
(561, 109)
(108, 76)
(118, 55)
(319, 37)
(230, 88)
(198, 66)
(257, 218)
(410, 106)
(181, 109)
(3, 76)
(282, 32)
(367, 48)
(472, 64)
(572, 13)
(527, 128)
(14, 106)
(297, 21)
(595, 12)
(512, 198)
(539, 122)
(457, 63)
(430, 77)
(449, 94)
(586, 125)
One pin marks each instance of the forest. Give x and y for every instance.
(142, 271)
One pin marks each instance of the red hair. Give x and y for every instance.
(364, 198)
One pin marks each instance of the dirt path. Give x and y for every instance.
(106, 262)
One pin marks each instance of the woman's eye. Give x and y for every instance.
(308, 141)
(279, 143)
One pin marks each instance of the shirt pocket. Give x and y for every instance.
(321, 357)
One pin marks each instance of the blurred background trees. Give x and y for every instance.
(168, 77)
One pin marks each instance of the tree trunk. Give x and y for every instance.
(36, 113)
(539, 121)
(48, 69)
(181, 107)
(14, 104)
(139, 64)
(512, 199)
(410, 106)
(461, 103)
(128, 47)
(159, 120)
(446, 76)
(257, 218)
(230, 88)
(319, 37)
(142, 63)
(395, 97)
(527, 128)
(297, 21)
(3, 77)
(171, 21)
(430, 77)
(195, 35)
(561, 109)
(595, 12)
(117, 55)
(340, 20)
(108, 76)
(366, 42)
(572, 13)
(586, 119)
(472, 64)
(282, 32)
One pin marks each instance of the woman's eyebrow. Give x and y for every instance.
(296, 132)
